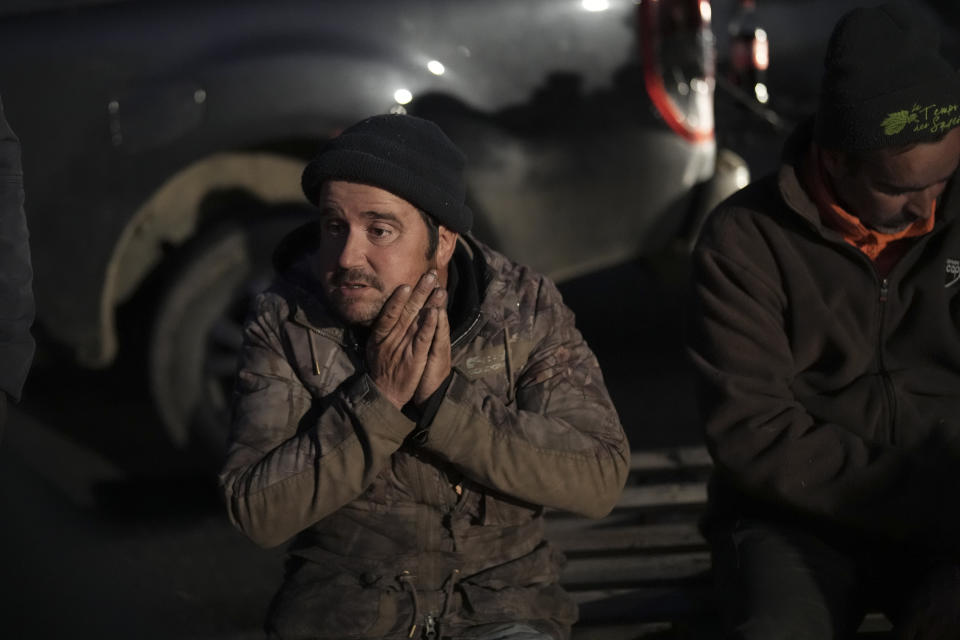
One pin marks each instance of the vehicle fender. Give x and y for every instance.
(172, 214)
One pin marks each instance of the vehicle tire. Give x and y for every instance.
(197, 333)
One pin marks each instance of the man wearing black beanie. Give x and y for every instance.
(408, 403)
(825, 330)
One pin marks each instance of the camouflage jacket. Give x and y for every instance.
(396, 537)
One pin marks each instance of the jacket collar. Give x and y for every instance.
(789, 177)
(833, 215)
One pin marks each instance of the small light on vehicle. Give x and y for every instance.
(596, 5)
(402, 96)
(706, 12)
(436, 67)
(763, 95)
(741, 177)
(699, 85)
(761, 50)
(199, 96)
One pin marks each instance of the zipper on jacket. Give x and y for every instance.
(888, 393)
(349, 344)
(430, 626)
(917, 246)
(469, 332)
(508, 364)
(890, 398)
(313, 353)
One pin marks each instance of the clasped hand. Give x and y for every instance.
(408, 352)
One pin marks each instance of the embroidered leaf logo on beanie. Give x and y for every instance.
(935, 119)
(896, 121)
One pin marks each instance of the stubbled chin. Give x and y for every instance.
(358, 319)
(355, 312)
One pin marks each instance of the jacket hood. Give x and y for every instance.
(790, 185)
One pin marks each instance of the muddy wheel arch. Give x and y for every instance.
(172, 216)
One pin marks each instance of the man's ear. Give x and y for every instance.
(446, 245)
(835, 163)
(828, 157)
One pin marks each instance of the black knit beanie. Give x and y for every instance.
(885, 83)
(405, 155)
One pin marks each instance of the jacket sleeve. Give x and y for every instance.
(763, 441)
(16, 272)
(292, 458)
(560, 444)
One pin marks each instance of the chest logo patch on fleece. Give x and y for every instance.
(952, 272)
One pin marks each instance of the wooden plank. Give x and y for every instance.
(630, 538)
(665, 459)
(696, 588)
(649, 604)
(646, 563)
(630, 631)
(655, 495)
(691, 497)
(648, 496)
(561, 524)
(620, 571)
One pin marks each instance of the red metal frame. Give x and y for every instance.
(649, 37)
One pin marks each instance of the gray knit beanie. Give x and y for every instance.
(405, 155)
(885, 83)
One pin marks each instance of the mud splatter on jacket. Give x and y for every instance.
(445, 533)
(829, 395)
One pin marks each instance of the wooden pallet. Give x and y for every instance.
(646, 566)
(644, 570)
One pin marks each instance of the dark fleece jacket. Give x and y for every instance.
(829, 395)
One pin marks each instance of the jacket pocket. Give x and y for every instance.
(522, 589)
(483, 605)
(319, 601)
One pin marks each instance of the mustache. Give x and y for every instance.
(355, 276)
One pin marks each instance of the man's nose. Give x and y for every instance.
(923, 202)
(351, 252)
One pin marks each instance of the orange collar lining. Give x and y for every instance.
(869, 241)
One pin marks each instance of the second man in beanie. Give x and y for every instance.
(409, 401)
(826, 336)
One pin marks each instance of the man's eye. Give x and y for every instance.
(380, 233)
(334, 227)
